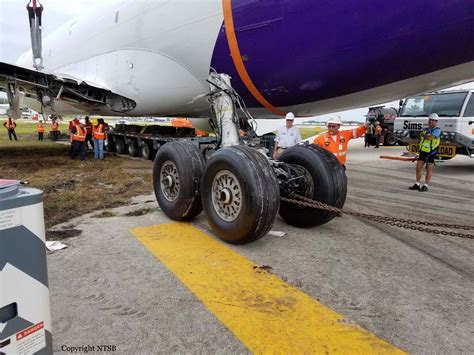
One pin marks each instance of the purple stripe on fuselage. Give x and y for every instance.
(299, 51)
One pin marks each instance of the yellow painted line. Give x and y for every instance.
(263, 312)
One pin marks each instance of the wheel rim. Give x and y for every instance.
(226, 196)
(145, 151)
(169, 181)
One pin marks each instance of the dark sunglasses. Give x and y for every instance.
(332, 125)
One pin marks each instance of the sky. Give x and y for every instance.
(15, 35)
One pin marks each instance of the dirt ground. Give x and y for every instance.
(72, 187)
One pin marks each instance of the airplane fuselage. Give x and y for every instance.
(304, 56)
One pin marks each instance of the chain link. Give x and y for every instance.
(411, 224)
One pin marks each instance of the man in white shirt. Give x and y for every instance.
(287, 136)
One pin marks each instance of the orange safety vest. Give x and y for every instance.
(339, 146)
(99, 132)
(54, 126)
(181, 122)
(10, 123)
(80, 134)
(40, 127)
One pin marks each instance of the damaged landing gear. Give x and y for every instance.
(177, 174)
(315, 173)
(240, 194)
(238, 187)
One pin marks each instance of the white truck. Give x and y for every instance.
(456, 121)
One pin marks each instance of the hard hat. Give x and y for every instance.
(335, 120)
(434, 116)
(83, 121)
(290, 116)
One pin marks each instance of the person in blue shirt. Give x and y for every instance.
(429, 143)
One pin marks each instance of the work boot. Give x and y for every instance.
(414, 187)
(424, 188)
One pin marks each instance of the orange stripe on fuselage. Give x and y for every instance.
(237, 58)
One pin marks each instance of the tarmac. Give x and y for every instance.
(412, 289)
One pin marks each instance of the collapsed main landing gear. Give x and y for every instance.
(177, 173)
(315, 173)
(239, 188)
(240, 194)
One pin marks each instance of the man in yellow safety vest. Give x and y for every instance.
(429, 143)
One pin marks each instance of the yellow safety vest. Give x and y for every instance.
(428, 146)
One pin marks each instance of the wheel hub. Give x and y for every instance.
(169, 179)
(226, 196)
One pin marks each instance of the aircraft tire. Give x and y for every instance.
(146, 151)
(177, 173)
(329, 185)
(133, 148)
(120, 145)
(240, 194)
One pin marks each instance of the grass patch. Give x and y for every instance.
(26, 130)
(311, 131)
(71, 187)
(139, 212)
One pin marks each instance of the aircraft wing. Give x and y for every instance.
(56, 89)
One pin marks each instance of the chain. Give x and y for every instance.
(411, 224)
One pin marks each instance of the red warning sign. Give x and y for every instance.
(29, 331)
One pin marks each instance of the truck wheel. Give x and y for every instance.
(325, 181)
(240, 194)
(146, 151)
(132, 148)
(120, 145)
(389, 140)
(110, 145)
(177, 173)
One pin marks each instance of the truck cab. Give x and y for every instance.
(456, 121)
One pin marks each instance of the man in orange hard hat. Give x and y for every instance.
(336, 141)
